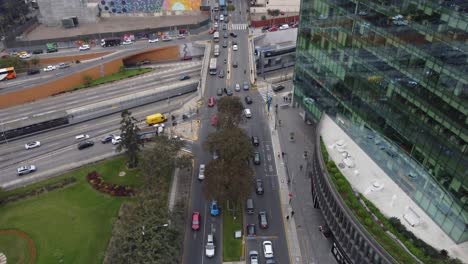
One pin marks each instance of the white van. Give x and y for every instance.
(247, 113)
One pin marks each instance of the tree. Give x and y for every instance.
(87, 80)
(230, 112)
(230, 144)
(35, 61)
(162, 157)
(130, 141)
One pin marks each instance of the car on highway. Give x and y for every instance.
(234, 35)
(234, 47)
(256, 158)
(180, 36)
(210, 246)
(219, 92)
(277, 88)
(251, 230)
(225, 28)
(25, 56)
(225, 35)
(184, 77)
(201, 172)
(268, 249)
(237, 87)
(211, 101)
(107, 139)
(215, 24)
(225, 44)
(33, 144)
(229, 92)
(262, 219)
(214, 120)
(166, 38)
(196, 219)
(49, 68)
(85, 144)
(116, 140)
(38, 51)
(270, 261)
(259, 187)
(234, 64)
(63, 65)
(127, 42)
(25, 169)
(216, 17)
(154, 40)
(253, 254)
(248, 100)
(247, 113)
(214, 209)
(221, 17)
(33, 71)
(221, 73)
(234, 42)
(82, 136)
(84, 47)
(246, 86)
(255, 141)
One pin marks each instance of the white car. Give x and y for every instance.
(116, 140)
(201, 172)
(215, 24)
(283, 27)
(33, 144)
(166, 38)
(155, 40)
(25, 56)
(237, 87)
(84, 47)
(25, 169)
(234, 47)
(50, 68)
(253, 257)
(267, 249)
(210, 246)
(82, 136)
(127, 42)
(247, 113)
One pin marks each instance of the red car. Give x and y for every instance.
(212, 30)
(211, 101)
(196, 221)
(214, 120)
(273, 29)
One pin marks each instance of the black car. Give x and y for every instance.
(38, 51)
(234, 35)
(225, 27)
(256, 158)
(248, 100)
(107, 139)
(255, 141)
(33, 71)
(225, 90)
(85, 144)
(259, 187)
(229, 92)
(251, 230)
(221, 74)
(265, 28)
(219, 92)
(234, 64)
(278, 88)
(225, 44)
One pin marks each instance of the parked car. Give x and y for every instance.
(33, 71)
(246, 86)
(38, 51)
(107, 139)
(201, 172)
(196, 219)
(33, 144)
(49, 68)
(25, 56)
(221, 73)
(84, 47)
(237, 87)
(267, 249)
(234, 35)
(248, 100)
(116, 140)
(234, 47)
(85, 144)
(219, 92)
(211, 101)
(262, 219)
(259, 187)
(253, 257)
(255, 141)
(63, 65)
(166, 38)
(277, 88)
(25, 169)
(251, 230)
(272, 29)
(184, 77)
(212, 31)
(127, 42)
(265, 28)
(214, 209)
(256, 158)
(283, 27)
(210, 246)
(154, 40)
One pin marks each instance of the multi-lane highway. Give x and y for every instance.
(195, 241)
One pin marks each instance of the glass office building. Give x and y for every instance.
(393, 74)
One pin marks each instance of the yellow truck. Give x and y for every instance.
(155, 119)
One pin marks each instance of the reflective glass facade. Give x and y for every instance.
(393, 74)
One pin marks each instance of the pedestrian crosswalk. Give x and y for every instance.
(238, 27)
(265, 91)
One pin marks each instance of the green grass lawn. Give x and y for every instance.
(232, 248)
(114, 77)
(15, 248)
(73, 224)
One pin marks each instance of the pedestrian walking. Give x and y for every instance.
(287, 217)
(292, 213)
(282, 154)
(278, 154)
(300, 167)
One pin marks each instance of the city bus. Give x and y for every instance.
(213, 70)
(216, 50)
(7, 74)
(216, 36)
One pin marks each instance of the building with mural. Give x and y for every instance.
(147, 6)
(393, 75)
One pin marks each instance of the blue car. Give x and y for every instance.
(246, 86)
(214, 209)
(184, 77)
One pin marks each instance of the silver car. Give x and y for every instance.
(25, 169)
(33, 144)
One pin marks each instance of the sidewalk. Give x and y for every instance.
(306, 244)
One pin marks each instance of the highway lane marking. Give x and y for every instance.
(204, 229)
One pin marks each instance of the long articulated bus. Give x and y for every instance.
(7, 74)
(213, 66)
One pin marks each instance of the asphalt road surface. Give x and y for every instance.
(195, 241)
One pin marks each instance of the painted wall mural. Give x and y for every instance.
(147, 6)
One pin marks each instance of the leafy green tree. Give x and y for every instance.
(230, 112)
(87, 80)
(130, 141)
(231, 8)
(230, 144)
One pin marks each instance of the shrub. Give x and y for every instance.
(98, 183)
